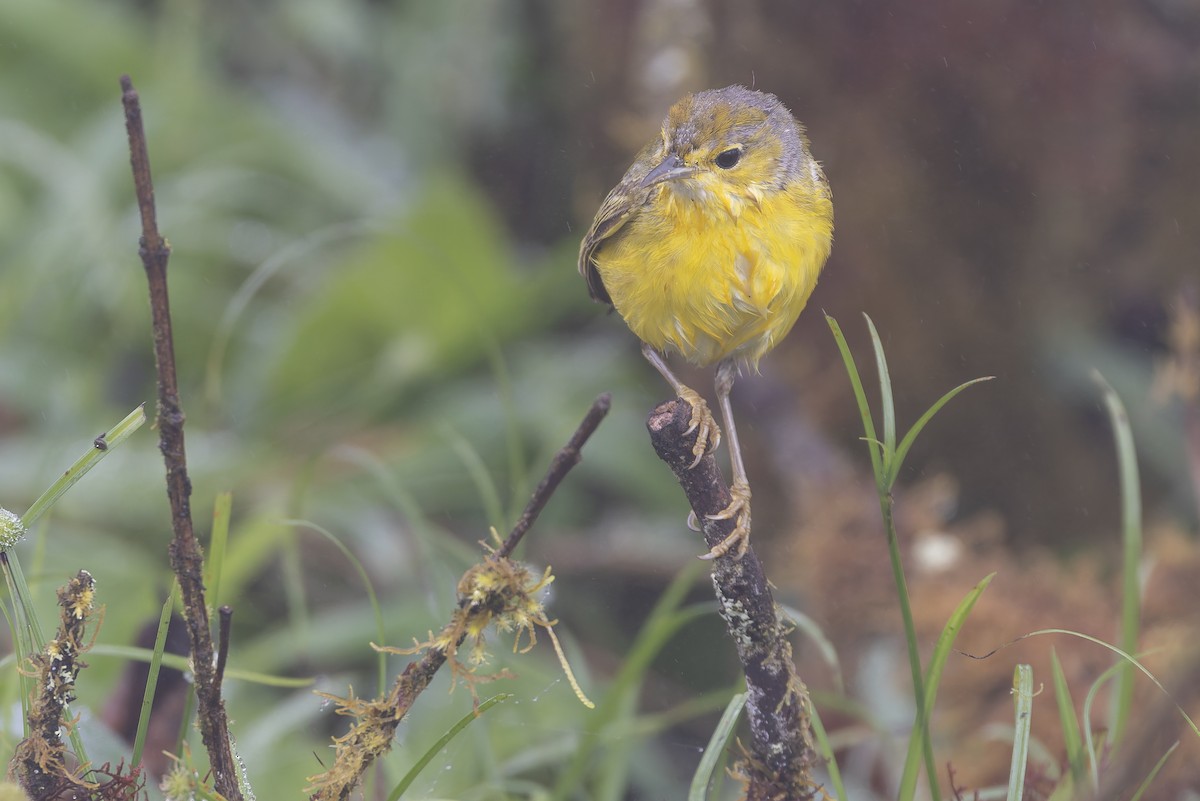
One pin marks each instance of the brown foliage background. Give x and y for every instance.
(1014, 187)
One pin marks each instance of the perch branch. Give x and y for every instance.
(186, 557)
(779, 761)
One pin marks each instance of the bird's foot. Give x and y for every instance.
(739, 511)
(708, 435)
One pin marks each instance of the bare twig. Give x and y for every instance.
(563, 461)
(186, 557)
(376, 721)
(781, 753)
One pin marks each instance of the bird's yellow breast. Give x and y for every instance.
(712, 274)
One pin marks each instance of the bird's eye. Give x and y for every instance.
(727, 159)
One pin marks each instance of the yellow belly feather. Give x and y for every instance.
(713, 283)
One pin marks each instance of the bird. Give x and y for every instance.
(709, 247)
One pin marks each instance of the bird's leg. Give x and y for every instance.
(739, 506)
(708, 435)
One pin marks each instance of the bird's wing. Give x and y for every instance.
(621, 204)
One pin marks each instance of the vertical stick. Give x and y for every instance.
(187, 560)
(781, 756)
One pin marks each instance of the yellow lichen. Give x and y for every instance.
(496, 592)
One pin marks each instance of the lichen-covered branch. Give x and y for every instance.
(780, 758)
(39, 763)
(496, 592)
(375, 722)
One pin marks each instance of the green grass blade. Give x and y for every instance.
(885, 463)
(1068, 722)
(824, 646)
(910, 634)
(22, 630)
(28, 637)
(269, 679)
(654, 723)
(1064, 790)
(1145, 785)
(237, 305)
(293, 585)
(616, 756)
(380, 630)
(427, 535)
(874, 446)
(518, 470)
(1093, 749)
(132, 652)
(186, 719)
(937, 662)
(887, 405)
(222, 509)
(1132, 660)
(909, 438)
(110, 439)
(1131, 539)
(1023, 701)
(663, 622)
(428, 756)
(160, 644)
(826, 748)
(716, 748)
(489, 494)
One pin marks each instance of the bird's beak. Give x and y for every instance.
(669, 169)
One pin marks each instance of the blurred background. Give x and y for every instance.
(375, 208)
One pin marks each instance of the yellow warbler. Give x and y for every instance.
(710, 246)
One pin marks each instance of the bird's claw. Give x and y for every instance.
(738, 510)
(708, 434)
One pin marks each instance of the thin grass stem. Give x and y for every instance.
(665, 619)
(222, 510)
(101, 447)
(1131, 540)
(160, 645)
(715, 750)
(1145, 785)
(442, 742)
(1068, 723)
(826, 747)
(919, 742)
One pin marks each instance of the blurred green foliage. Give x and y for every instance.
(380, 329)
(415, 303)
(347, 307)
